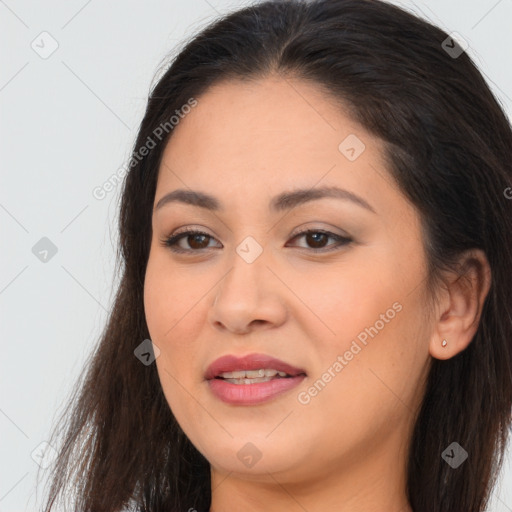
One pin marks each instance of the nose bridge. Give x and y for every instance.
(247, 272)
(248, 291)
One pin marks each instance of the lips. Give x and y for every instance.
(232, 363)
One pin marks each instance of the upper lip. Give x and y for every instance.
(231, 363)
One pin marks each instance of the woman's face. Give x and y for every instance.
(349, 314)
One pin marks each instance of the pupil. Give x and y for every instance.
(195, 238)
(315, 236)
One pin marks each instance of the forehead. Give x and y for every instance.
(288, 116)
(257, 138)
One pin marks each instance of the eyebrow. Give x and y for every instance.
(281, 202)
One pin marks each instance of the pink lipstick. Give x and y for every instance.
(252, 379)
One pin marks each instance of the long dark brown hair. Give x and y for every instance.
(449, 148)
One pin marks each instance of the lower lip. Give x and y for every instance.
(250, 394)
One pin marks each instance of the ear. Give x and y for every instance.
(460, 305)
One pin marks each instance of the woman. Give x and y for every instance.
(251, 364)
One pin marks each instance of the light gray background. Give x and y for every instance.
(67, 124)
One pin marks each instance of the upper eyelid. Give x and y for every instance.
(192, 230)
(295, 232)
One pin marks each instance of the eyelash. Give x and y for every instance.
(171, 242)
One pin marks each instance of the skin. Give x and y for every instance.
(346, 449)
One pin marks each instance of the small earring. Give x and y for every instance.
(444, 343)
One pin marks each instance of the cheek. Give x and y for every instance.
(171, 304)
(174, 315)
(375, 326)
(343, 303)
(171, 325)
(365, 390)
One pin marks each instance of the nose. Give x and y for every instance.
(249, 297)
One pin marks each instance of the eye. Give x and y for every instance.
(198, 240)
(317, 238)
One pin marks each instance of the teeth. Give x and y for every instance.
(249, 381)
(254, 375)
